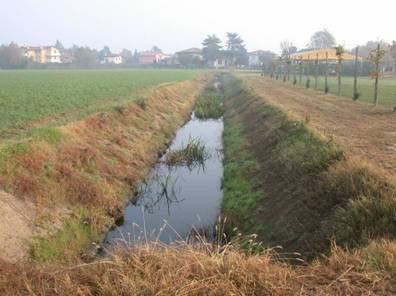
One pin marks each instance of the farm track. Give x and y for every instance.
(363, 131)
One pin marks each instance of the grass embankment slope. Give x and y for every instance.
(289, 177)
(67, 183)
(202, 269)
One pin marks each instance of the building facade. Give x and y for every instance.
(43, 54)
(114, 59)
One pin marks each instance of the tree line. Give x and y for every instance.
(12, 56)
(234, 52)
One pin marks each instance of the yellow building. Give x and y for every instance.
(43, 54)
(320, 55)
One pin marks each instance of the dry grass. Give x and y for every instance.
(203, 269)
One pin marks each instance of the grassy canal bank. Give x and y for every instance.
(294, 187)
(76, 178)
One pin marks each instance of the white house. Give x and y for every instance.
(220, 63)
(254, 58)
(114, 59)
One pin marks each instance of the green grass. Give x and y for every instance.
(240, 196)
(192, 154)
(28, 96)
(386, 93)
(209, 106)
(76, 234)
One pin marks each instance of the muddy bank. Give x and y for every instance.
(295, 188)
(87, 169)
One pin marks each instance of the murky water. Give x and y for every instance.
(175, 200)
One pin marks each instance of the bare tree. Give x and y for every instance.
(376, 57)
(392, 51)
(287, 49)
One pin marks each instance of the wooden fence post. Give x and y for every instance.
(308, 81)
(355, 94)
(377, 61)
(326, 90)
(316, 70)
(301, 72)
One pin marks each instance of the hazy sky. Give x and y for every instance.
(180, 24)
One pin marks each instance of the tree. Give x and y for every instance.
(85, 57)
(156, 49)
(59, 46)
(12, 56)
(135, 58)
(236, 50)
(189, 61)
(211, 48)
(322, 39)
(104, 52)
(287, 49)
(127, 56)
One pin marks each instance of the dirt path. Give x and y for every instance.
(359, 128)
(16, 225)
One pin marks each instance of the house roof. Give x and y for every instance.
(193, 50)
(37, 47)
(113, 55)
(256, 52)
(320, 54)
(148, 53)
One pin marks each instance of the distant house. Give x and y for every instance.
(191, 52)
(321, 55)
(43, 54)
(115, 59)
(151, 57)
(192, 57)
(255, 58)
(67, 57)
(219, 63)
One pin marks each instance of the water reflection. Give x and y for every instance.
(159, 190)
(178, 198)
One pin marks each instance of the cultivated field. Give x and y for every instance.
(386, 93)
(386, 86)
(30, 96)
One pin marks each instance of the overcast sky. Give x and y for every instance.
(178, 24)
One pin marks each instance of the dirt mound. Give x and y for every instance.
(16, 227)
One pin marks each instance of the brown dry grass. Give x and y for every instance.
(202, 269)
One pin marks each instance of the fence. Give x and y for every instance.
(371, 78)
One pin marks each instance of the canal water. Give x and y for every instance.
(176, 200)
